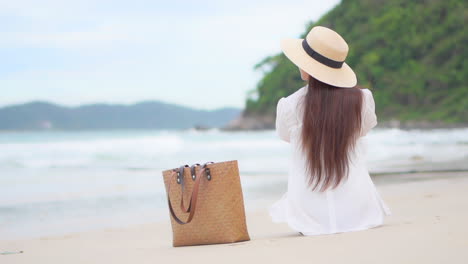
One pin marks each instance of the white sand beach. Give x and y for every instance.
(428, 225)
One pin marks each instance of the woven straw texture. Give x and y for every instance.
(219, 215)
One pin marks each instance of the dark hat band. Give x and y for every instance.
(320, 58)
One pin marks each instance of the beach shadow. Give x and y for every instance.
(277, 236)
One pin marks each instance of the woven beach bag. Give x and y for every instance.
(206, 204)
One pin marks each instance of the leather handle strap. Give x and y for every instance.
(181, 180)
(193, 200)
(193, 170)
(194, 176)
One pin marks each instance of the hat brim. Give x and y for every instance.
(343, 77)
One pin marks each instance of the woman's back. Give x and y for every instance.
(290, 112)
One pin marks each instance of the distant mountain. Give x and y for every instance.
(144, 115)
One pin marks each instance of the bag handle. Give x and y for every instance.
(181, 181)
(193, 199)
(180, 174)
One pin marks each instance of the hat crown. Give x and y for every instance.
(328, 43)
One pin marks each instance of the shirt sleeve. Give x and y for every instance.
(281, 123)
(369, 118)
(286, 116)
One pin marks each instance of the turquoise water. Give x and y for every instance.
(59, 182)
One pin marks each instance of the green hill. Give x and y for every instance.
(412, 54)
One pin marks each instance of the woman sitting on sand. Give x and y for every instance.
(329, 187)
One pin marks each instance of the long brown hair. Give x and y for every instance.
(331, 126)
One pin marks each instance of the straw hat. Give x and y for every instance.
(321, 54)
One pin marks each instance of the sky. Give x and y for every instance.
(193, 53)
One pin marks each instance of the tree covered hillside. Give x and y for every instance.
(412, 54)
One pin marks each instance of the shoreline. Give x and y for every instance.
(409, 172)
(251, 205)
(427, 225)
(256, 122)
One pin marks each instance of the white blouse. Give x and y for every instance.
(354, 204)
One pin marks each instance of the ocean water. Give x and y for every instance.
(60, 182)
